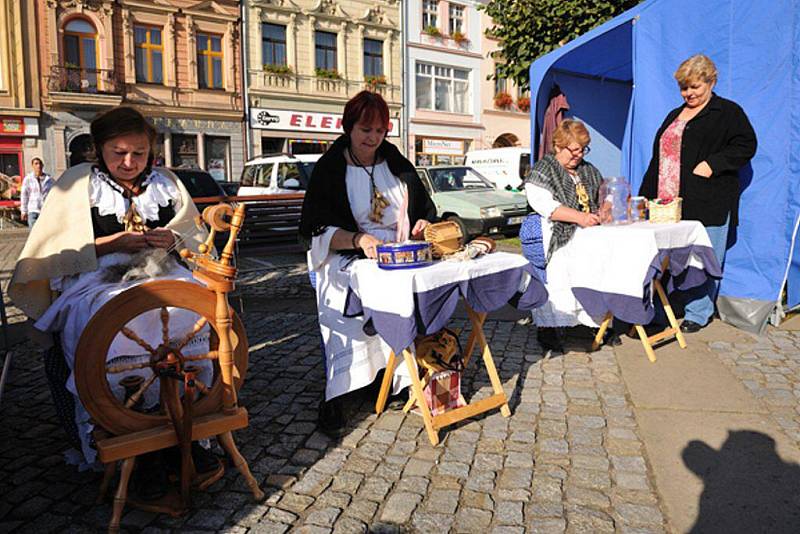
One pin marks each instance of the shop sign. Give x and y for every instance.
(304, 121)
(19, 126)
(452, 147)
(12, 126)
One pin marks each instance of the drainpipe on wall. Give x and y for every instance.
(403, 73)
(245, 85)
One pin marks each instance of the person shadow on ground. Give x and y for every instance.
(748, 487)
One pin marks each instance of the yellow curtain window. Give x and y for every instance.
(209, 61)
(149, 51)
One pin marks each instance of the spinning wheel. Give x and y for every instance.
(119, 416)
(196, 387)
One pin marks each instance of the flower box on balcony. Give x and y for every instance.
(524, 103)
(433, 31)
(373, 82)
(503, 100)
(328, 74)
(280, 70)
(459, 38)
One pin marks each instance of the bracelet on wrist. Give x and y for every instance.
(355, 237)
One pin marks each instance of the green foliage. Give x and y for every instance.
(375, 80)
(528, 29)
(282, 70)
(459, 37)
(327, 74)
(433, 31)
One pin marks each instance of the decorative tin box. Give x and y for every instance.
(406, 255)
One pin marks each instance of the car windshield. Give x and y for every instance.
(308, 168)
(458, 179)
(198, 183)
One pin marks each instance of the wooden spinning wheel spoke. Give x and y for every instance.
(210, 355)
(195, 330)
(130, 334)
(139, 392)
(114, 369)
(164, 325)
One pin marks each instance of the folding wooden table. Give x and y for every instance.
(649, 341)
(487, 284)
(611, 267)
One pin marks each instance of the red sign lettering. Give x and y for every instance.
(326, 122)
(295, 120)
(338, 123)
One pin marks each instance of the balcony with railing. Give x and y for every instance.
(272, 84)
(71, 85)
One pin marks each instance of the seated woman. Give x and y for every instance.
(562, 188)
(362, 193)
(104, 228)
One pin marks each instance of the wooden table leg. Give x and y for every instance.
(416, 388)
(598, 339)
(471, 341)
(386, 384)
(673, 322)
(477, 319)
(648, 349)
(412, 399)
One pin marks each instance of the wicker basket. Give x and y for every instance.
(445, 238)
(665, 213)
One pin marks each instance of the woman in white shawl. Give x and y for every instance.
(82, 245)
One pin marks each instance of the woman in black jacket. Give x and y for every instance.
(697, 154)
(362, 193)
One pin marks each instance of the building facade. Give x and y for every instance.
(177, 61)
(306, 58)
(505, 107)
(19, 88)
(444, 80)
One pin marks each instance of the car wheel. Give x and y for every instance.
(465, 236)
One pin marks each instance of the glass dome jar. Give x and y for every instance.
(615, 192)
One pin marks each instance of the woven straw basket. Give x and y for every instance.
(665, 213)
(445, 238)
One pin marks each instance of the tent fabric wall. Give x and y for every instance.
(756, 46)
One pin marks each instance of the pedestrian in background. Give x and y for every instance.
(35, 187)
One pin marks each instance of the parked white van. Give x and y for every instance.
(277, 174)
(505, 167)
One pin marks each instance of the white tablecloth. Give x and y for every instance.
(612, 267)
(405, 302)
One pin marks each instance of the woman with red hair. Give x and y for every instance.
(362, 193)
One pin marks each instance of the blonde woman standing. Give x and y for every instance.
(697, 154)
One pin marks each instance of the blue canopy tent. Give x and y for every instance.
(618, 79)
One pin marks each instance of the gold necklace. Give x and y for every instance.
(583, 197)
(378, 202)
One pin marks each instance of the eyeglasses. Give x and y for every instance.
(579, 150)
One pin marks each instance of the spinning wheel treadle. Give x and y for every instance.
(203, 410)
(91, 376)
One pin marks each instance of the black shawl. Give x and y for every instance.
(549, 174)
(326, 203)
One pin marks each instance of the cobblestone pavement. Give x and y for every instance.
(567, 459)
(770, 368)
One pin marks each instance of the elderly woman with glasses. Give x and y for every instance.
(562, 189)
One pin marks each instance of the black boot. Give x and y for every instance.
(331, 419)
(611, 338)
(550, 339)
